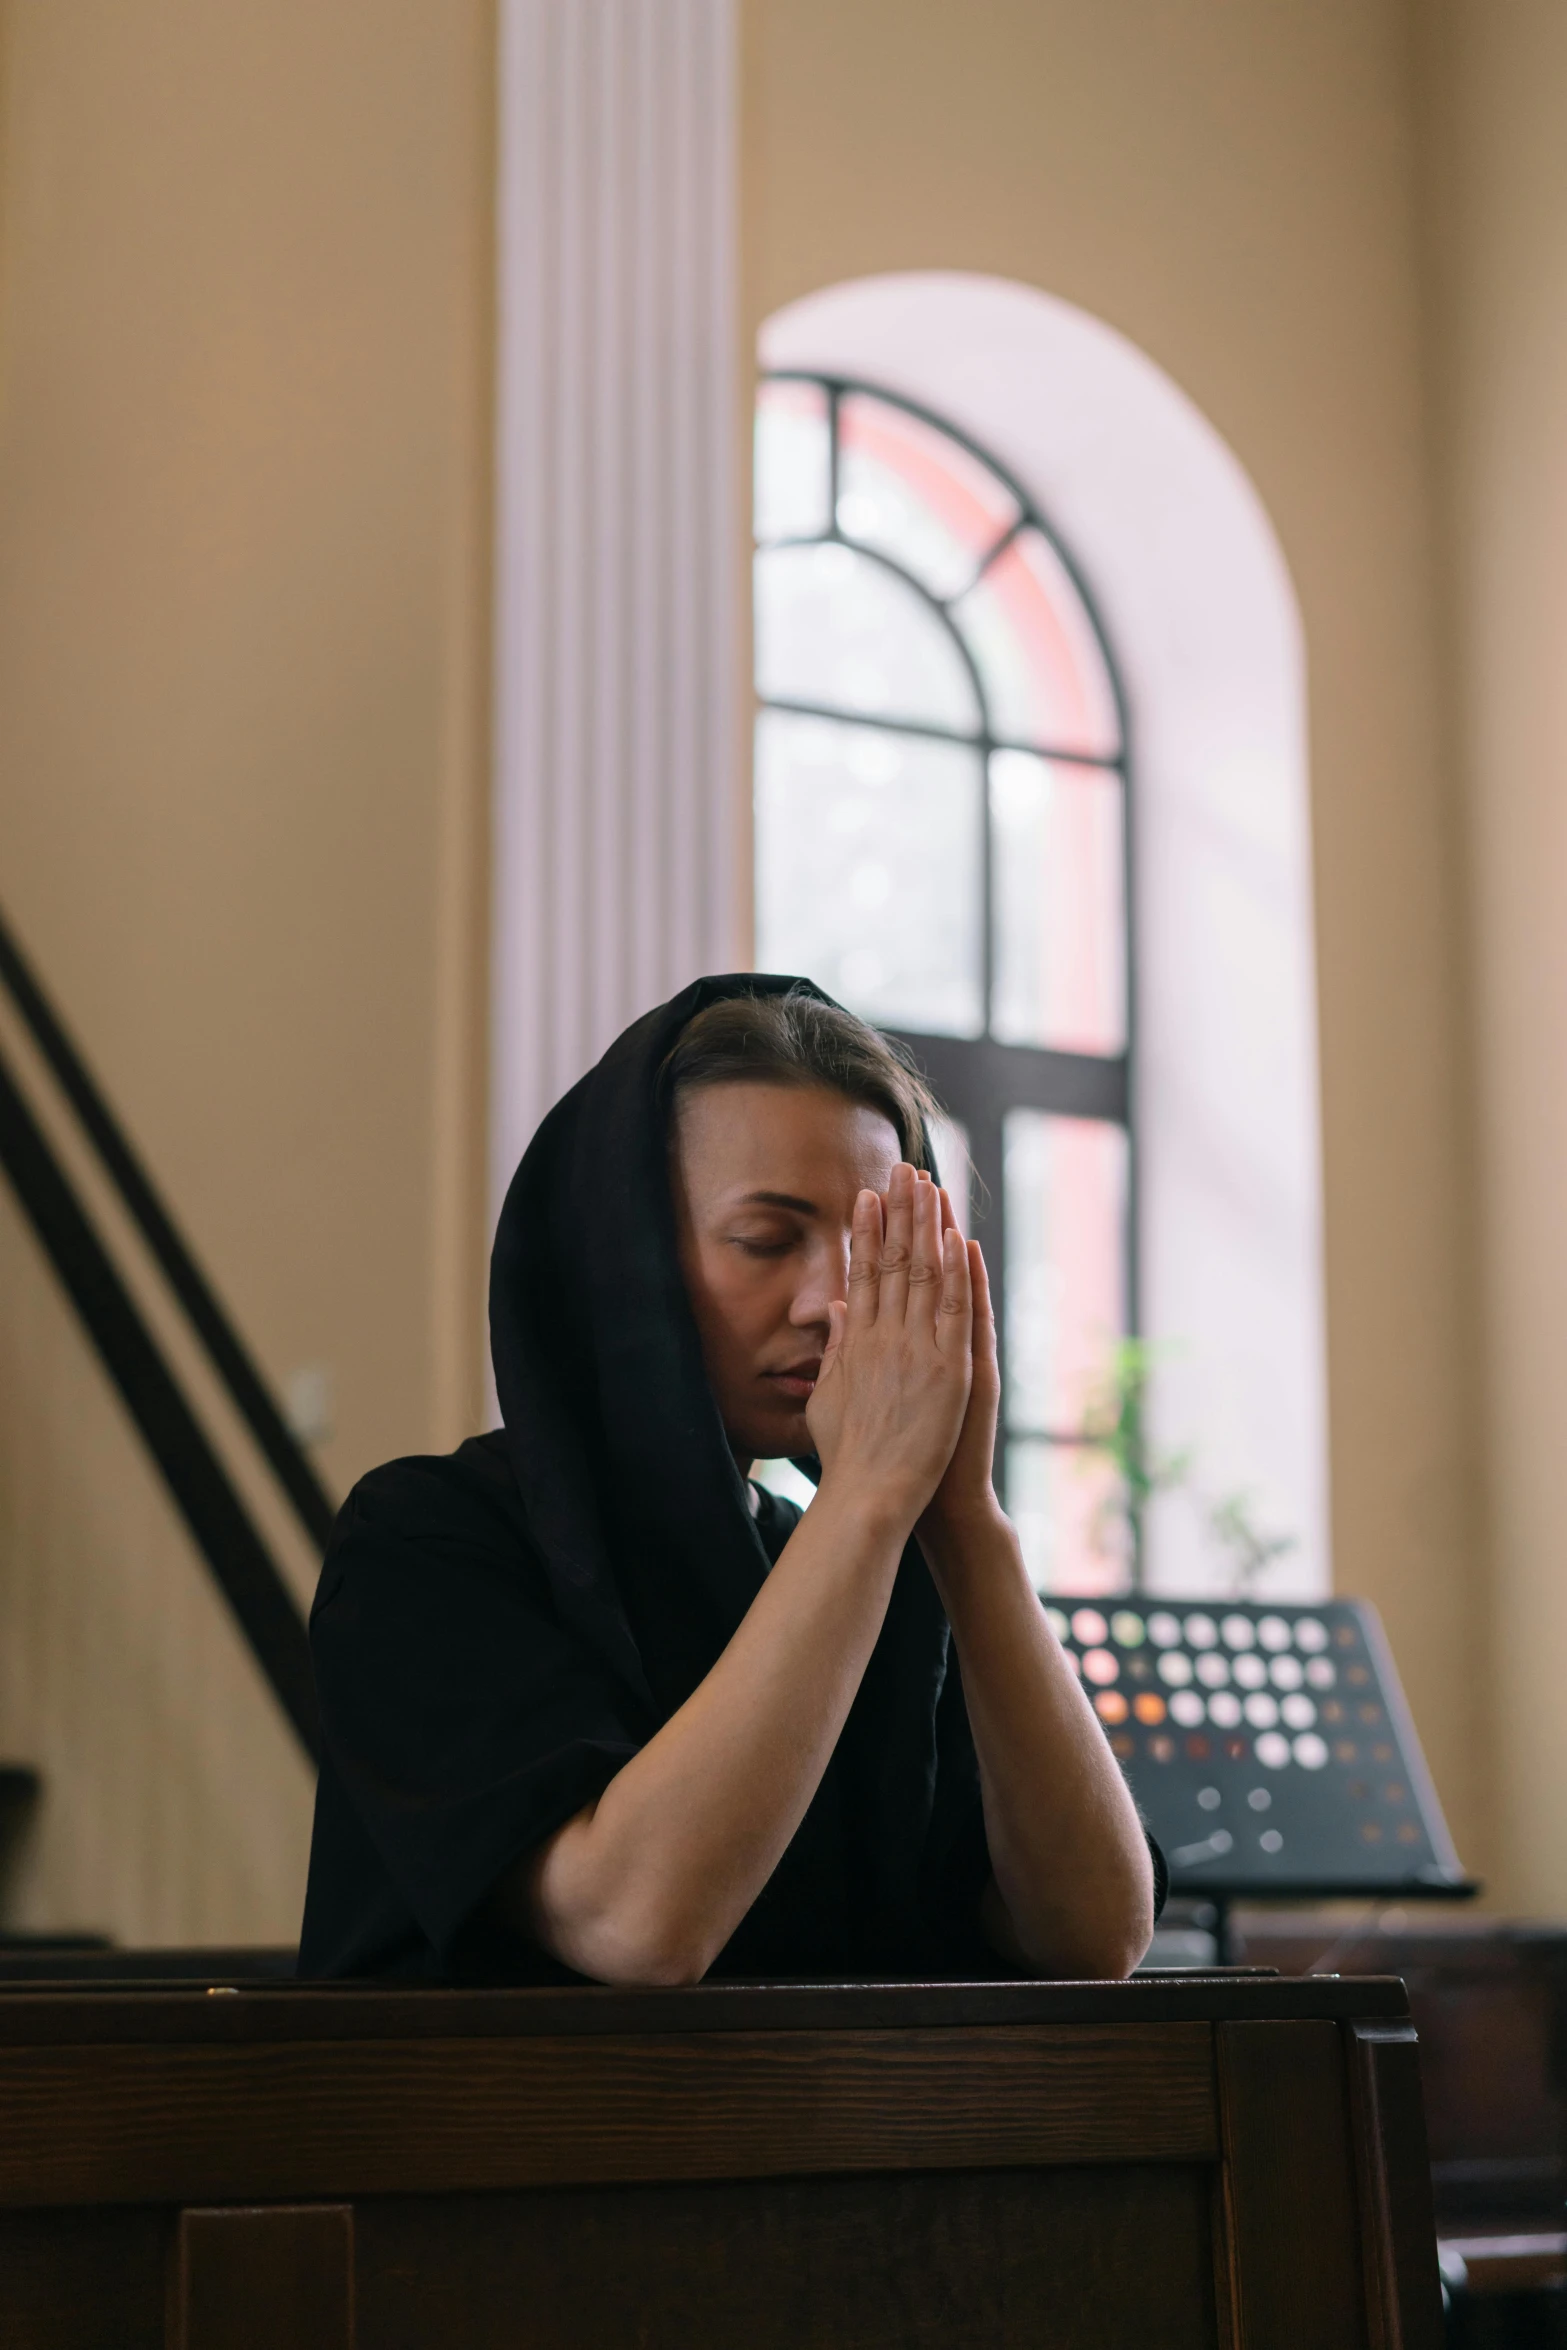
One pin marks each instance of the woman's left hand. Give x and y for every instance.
(967, 1492)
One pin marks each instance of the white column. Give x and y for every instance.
(617, 537)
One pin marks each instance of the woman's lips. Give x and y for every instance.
(797, 1384)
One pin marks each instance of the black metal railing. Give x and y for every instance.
(241, 1563)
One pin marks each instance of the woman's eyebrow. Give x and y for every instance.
(780, 1199)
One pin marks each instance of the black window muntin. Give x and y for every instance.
(979, 1079)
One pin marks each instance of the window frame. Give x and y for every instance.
(978, 1080)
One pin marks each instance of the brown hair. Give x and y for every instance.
(796, 1039)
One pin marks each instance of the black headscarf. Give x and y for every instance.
(630, 1489)
(497, 1631)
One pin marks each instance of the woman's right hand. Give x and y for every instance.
(889, 1400)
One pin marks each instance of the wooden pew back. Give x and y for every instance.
(1217, 2162)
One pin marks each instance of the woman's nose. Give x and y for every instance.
(826, 1280)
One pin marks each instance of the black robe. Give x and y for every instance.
(497, 1631)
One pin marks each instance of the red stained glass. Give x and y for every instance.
(1065, 1272)
(916, 495)
(1059, 893)
(1039, 660)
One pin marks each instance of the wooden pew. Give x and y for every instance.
(1489, 2000)
(1233, 2162)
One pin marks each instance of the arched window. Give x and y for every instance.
(942, 842)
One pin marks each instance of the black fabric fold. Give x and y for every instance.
(630, 1486)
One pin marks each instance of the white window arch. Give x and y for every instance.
(1194, 597)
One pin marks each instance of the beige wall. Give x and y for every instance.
(1232, 186)
(244, 345)
(243, 465)
(1494, 73)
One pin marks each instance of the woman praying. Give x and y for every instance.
(594, 1704)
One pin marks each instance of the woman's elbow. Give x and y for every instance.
(604, 1920)
(1093, 1959)
(1113, 1946)
(643, 1952)
(658, 1968)
(1119, 1957)
(1097, 1944)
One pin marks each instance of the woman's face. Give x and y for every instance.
(765, 1179)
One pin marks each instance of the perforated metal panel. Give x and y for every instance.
(1269, 1747)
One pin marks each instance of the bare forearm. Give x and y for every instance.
(649, 1883)
(1070, 1860)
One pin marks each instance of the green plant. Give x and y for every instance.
(1115, 1426)
(1236, 1529)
